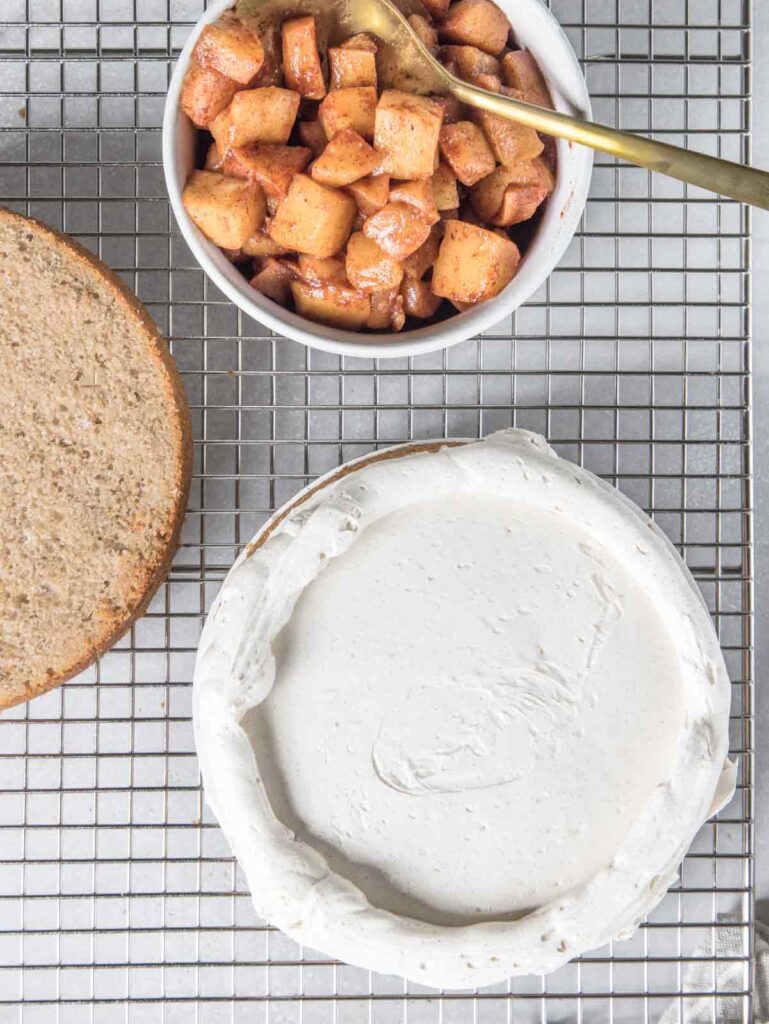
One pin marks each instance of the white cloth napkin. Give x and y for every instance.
(729, 977)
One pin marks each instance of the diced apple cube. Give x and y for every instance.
(520, 71)
(476, 23)
(504, 199)
(386, 311)
(511, 143)
(368, 267)
(260, 244)
(370, 193)
(345, 159)
(437, 8)
(205, 94)
(418, 194)
(361, 41)
(213, 158)
(274, 280)
(406, 133)
(445, 192)
(424, 31)
(315, 270)
(313, 218)
(550, 152)
(232, 48)
(350, 68)
(419, 262)
(331, 304)
(349, 108)
(256, 115)
(469, 61)
(491, 83)
(227, 210)
(272, 166)
(466, 151)
(398, 229)
(312, 136)
(453, 109)
(546, 175)
(301, 59)
(271, 72)
(418, 298)
(473, 264)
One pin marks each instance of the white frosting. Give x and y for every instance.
(460, 713)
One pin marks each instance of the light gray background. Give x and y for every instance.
(761, 461)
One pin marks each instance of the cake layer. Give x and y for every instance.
(460, 711)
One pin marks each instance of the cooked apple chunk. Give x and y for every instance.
(232, 48)
(312, 136)
(322, 271)
(469, 61)
(418, 194)
(361, 41)
(473, 264)
(437, 8)
(260, 244)
(371, 193)
(213, 159)
(256, 115)
(313, 218)
(445, 192)
(509, 195)
(424, 31)
(520, 71)
(272, 166)
(227, 210)
(476, 23)
(350, 68)
(406, 133)
(331, 304)
(419, 262)
(205, 94)
(368, 267)
(419, 299)
(387, 312)
(398, 229)
(467, 152)
(301, 59)
(274, 279)
(345, 159)
(511, 143)
(349, 108)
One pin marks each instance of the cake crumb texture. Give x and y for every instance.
(95, 455)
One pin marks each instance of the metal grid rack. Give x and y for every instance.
(118, 896)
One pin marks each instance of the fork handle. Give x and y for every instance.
(745, 184)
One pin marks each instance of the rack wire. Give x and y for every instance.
(119, 899)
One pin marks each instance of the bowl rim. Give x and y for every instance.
(560, 221)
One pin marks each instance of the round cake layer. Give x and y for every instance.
(460, 712)
(96, 456)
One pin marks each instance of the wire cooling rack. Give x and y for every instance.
(119, 900)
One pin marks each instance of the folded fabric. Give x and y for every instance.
(726, 975)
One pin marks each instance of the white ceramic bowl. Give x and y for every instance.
(536, 30)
